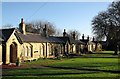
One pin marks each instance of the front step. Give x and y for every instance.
(12, 64)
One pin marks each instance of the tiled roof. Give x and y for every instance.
(54, 39)
(32, 38)
(77, 42)
(37, 38)
(70, 40)
(64, 39)
(6, 33)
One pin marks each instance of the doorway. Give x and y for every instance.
(13, 52)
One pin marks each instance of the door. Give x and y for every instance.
(13, 52)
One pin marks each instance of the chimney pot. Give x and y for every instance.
(22, 27)
(45, 31)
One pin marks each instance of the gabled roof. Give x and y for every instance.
(54, 39)
(32, 38)
(6, 33)
(18, 37)
(1, 37)
(74, 41)
(64, 39)
(70, 40)
(77, 42)
(39, 38)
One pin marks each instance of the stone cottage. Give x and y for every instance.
(88, 44)
(29, 46)
(91, 45)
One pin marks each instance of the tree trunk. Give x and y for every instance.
(116, 49)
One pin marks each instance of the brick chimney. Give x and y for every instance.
(64, 33)
(22, 27)
(93, 39)
(83, 37)
(88, 38)
(45, 31)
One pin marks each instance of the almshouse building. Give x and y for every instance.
(29, 46)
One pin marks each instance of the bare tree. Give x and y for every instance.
(37, 27)
(7, 26)
(71, 32)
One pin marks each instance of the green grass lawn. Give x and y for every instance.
(101, 64)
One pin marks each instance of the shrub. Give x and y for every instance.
(18, 62)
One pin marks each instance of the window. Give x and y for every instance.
(27, 51)
(51, 49)
(31, 51)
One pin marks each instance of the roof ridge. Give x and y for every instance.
(7, 28)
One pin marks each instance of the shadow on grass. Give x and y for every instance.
(97, 70)
(44, 73)
(60, 77)
(49, 74)
(97, 57)
(104, 53)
